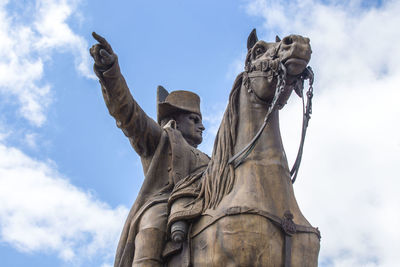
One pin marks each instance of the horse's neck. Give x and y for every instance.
(262, 181)
(269, 147)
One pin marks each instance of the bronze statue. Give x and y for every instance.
(237, 209)
(167, 151)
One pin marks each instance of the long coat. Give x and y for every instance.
(166, 156)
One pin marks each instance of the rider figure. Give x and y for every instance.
(167, 150)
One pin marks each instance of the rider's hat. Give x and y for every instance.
(169, 103)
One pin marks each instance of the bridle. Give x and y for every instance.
(281, 73)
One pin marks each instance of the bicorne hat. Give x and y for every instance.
(169, 103)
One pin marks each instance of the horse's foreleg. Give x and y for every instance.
(239, 240)
(305, 249)
(207, 249)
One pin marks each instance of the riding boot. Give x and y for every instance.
(149, 244)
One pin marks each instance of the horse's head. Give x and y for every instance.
(263, 62)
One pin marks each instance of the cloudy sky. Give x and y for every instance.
(68, 176)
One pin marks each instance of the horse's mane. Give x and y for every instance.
(219, 177)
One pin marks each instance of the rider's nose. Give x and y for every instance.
(201, 127)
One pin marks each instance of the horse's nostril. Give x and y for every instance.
(287, 40)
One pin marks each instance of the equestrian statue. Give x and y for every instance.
(237, 208)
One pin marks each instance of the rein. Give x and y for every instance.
(307, 110)
(272, 107)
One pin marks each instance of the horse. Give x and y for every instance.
(249, 215)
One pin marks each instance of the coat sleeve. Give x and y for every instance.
(143, 132)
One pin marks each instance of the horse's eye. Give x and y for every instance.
(259, 51)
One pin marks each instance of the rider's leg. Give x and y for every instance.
(148, 248)
(150, 239)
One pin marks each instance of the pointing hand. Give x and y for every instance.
(102, 52)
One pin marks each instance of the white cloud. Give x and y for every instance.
(28, 40)
(348, 182)
(30, 140)
(40, 211)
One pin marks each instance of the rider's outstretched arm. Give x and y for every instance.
(144, 133)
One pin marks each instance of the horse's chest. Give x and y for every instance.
(261, 187)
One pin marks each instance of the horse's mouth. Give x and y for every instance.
(295, 65)
(297, 61)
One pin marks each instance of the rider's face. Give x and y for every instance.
(191, 127)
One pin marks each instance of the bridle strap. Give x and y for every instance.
(258, 73)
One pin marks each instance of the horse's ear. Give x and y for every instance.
(252, 40)
(277, 39)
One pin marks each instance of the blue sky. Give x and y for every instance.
(68, 175)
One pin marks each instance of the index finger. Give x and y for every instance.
(102, 41)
